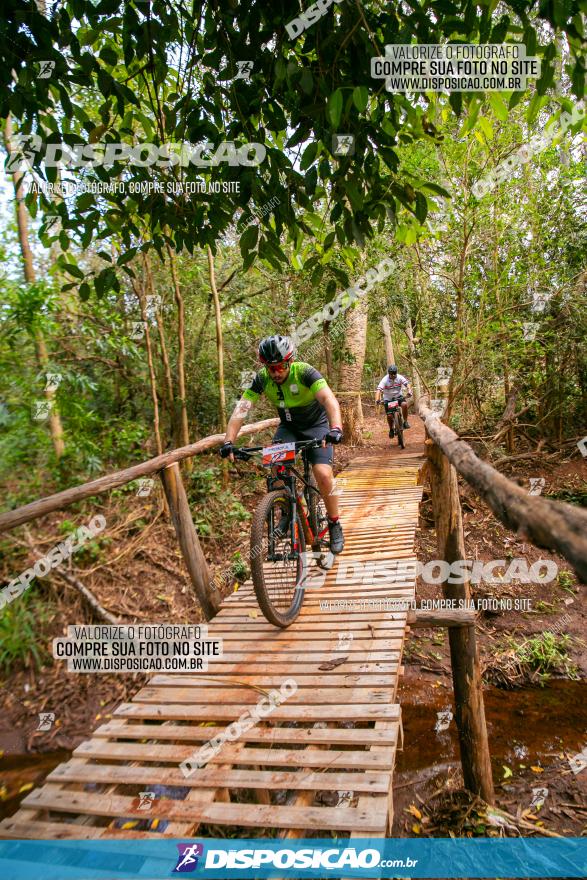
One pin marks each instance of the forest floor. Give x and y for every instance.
(535, 724)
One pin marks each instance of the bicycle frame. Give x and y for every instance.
(286, 475)
(396, 411)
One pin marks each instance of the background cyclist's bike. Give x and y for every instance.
(393, 407)
(289, 519)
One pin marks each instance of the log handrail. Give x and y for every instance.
(552, 525)
(35, 509)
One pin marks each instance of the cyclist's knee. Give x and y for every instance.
(322, 473)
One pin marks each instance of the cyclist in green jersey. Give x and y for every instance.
(308, 410)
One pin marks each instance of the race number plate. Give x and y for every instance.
(393, 403)
(279, 452)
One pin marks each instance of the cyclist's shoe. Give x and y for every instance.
(336, 536)
(406, 424)
(391, 432)
(282, 527)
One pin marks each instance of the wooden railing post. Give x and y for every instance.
(466, 673)
(181, 516)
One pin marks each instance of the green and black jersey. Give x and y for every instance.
(295, 399)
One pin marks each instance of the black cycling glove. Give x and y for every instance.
(226, 449)
(334, 436)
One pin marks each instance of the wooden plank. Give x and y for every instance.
(358, 736)
(304, 696)
(301, 641)
(366, 666)
(270, 780)
(38, 830)
(239, 754)
(246, 815)
(231, 627)
(285, 712)
(15, 829)
(332, 679)
(309, 658)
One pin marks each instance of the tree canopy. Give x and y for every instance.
(168, 72)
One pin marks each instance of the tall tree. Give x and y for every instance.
(42, 355)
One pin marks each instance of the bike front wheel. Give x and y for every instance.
(277, 558)
(399, 426)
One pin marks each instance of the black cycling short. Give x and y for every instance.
(323, 455)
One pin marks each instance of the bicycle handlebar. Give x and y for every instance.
(247, 452)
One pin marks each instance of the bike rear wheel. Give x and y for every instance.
(276, 564)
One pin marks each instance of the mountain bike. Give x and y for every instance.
(397, 425)
(290, 518)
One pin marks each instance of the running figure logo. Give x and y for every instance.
(343, 144)
(46, 69)
(245, 68)
(187, 860)
(46, 720)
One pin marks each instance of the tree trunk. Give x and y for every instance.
(184, 429)
(412, 358)
(219, 342)
(351, 374)
(193, 555)
(169, 396)
(140, 294)
(219, 360)
(55, 426)
(328, 354)
(468, 691)
(389, 355)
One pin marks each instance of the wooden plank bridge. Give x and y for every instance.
(327, 753)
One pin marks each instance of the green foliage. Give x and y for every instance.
(545, 654)
(566, 581)
(130, 66)
(240, 570)
(21, 632)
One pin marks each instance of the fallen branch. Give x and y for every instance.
(87, 594)
(521, 822)
(89, 597)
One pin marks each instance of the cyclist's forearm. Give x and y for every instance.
(237, 420)
(333, 412)
(234, 425)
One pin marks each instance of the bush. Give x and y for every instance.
(21, 632)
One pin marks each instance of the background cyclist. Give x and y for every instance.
(394, 386)
(308, 410)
